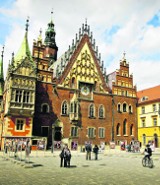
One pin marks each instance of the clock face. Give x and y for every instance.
(85, 90)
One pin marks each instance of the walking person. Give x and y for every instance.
(67, 157)
(61, 155)
(88, 151)
(95, 150)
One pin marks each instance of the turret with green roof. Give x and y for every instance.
(24, 51)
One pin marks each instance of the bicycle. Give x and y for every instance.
(146, 162)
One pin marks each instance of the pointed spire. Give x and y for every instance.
(1, 74)
(40, 35)
(124, 54)
(24, 50)
(1, 65)
(52, 15)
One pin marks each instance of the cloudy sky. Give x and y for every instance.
(132, 26)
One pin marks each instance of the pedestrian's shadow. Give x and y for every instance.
(37, 165)
(73, 166)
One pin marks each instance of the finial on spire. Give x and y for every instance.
(52, 14)
(124, 54)
(27, 24)
(2, 52)
(86, 21)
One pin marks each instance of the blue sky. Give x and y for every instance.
(132, 26)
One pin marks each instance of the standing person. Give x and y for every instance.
(67, 157)
(88, 151)
(95, 150)
(61, 155)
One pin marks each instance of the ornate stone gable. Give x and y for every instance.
(83, 67)
(26, 68)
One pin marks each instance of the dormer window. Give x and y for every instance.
(144, 98)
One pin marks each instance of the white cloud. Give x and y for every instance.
(139, 40)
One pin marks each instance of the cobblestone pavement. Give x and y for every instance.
(112, 168)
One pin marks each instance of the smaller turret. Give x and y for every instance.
(51, 47)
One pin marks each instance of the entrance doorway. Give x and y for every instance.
(57, 134)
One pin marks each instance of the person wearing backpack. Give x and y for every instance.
(148, 151)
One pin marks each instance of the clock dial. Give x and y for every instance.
(85, 90)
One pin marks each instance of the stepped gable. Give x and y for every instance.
(63, 65)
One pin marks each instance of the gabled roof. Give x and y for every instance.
(150, 94)
(23, 51)
(66, 61)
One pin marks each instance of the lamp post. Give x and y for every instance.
(52, 138)
(112, 119)
(81, 138)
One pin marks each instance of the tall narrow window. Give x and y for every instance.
(101, 132)
(19, 124)
(143, 122)
(101, 111)
(154, 107)
(74, 131)
(91, 111)
(119, 107)
(131, 130)
(91, 132)
(124, 107)
(64, 108)
(125, 127)
(154, 121)
(26, 97)
(118, 129)
(143, 110)
(18, 97)
(73, 83)
(144, 139)
(130, 109)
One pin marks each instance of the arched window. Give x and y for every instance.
(130, 109)
(101, 111)
(131, 130)
(125, 127)
(118, 129)
(45, 108)
(124, 107)
(73, 83)
(64, 108)
(119, 107)
(91, 111)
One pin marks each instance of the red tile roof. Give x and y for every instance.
(150, 94)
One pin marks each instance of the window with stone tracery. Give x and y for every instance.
(91, 111)
(101, 111)
(18, 97)
(64, 108)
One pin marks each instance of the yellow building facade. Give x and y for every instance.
(148, 112)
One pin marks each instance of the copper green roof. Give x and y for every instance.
(23, 51)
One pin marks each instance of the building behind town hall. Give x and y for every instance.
(67, 99)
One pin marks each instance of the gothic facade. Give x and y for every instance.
(70, 99)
